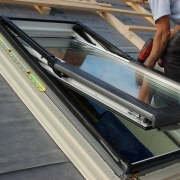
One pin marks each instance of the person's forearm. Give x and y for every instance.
(145, 93)
(161, 39)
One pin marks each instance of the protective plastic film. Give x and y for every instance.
(131, 142)
(122, 74)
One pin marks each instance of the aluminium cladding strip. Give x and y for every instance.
(82, 155)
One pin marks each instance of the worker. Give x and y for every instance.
(166, 44)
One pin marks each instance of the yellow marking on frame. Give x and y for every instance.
(23, 65)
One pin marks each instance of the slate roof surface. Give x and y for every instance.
(26, 150)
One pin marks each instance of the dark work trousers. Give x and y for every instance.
(172, 58)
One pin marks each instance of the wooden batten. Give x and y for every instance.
(43, 10)
(88, 3)
(135, 2)
(140, 28)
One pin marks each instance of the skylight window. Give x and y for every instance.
(103, 85)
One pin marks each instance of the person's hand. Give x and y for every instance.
(139, 75)
(146, 92)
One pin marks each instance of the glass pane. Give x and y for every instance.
(126, 76)
(129, 140)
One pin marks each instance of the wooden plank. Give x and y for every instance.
(139, 8)
(141, 28)
(70, 5)
(135, 2)
(101, 9)
(46, 10)
(87, 3)
(43, 10)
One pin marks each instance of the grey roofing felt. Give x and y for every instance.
(62, 171)
(26, 150)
